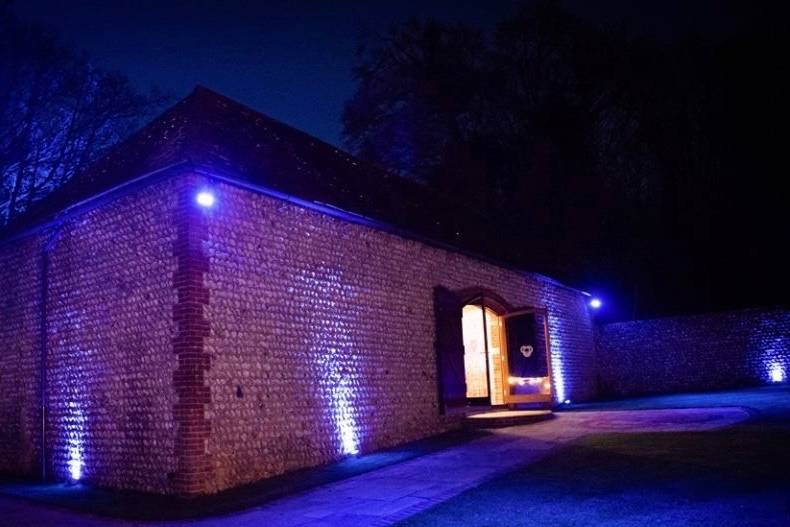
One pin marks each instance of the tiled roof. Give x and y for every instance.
(212, 131)
(216, 133)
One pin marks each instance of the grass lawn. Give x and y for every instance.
(737, 476)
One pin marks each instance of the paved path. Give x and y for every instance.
(386, 495)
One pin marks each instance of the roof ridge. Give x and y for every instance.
(200, 90)
(223, 135)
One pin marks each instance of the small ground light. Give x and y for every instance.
(205, 199)
(75, 465)
(595, 303)
(567, 401)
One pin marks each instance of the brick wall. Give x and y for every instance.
(109, 328)
(322, 335)
(192, 328)
(702, 352)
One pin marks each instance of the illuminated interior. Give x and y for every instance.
(519, 387)
(483, 354)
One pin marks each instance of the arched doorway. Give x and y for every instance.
(483, 354)
(506, 351)
(489, 352)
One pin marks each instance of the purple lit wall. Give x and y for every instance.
(573, 360)
(326, 329)
(693, 353)
(337, 358)
(196, 344)
(109, 346)
(20, 283)
(109, 338)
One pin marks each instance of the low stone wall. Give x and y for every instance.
(692, 353)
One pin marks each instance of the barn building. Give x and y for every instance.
(223, 298)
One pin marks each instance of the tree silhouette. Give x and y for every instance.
(58, 112)
(599, 156)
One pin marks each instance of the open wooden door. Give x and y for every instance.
(449, 349)
(528, 357)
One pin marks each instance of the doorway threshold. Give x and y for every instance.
(503, 417)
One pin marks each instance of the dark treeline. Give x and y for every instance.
(647, 170)
(644, 169)
(57, 112)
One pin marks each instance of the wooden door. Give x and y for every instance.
(527, 357)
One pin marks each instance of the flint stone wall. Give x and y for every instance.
(693, 353)
(191, 350)
(20, 301)
(322, 335)
(109, 329)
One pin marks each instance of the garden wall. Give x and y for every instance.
(693, 353)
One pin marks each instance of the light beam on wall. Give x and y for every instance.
(776, 372)
(75, 463)
(557, 366)
(775, 358)
(557, 372)
(557, 330)
(342, 398)
(75, 430)
(334, 352)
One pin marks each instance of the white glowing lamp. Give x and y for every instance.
(205, 199)
(75, 464)
(777, 373)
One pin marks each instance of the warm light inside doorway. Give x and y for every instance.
(483, 351)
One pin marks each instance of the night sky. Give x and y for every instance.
(293, 60)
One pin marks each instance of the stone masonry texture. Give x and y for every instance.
(190, 350)
(108, 322)
(693, 353)
(322, 335)
(20, 335)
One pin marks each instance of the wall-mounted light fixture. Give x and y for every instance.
(596, 303)
(205, 199)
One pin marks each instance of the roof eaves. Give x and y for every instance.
(359, 219)
(94, 201)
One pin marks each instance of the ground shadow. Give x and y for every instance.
(145, 506)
